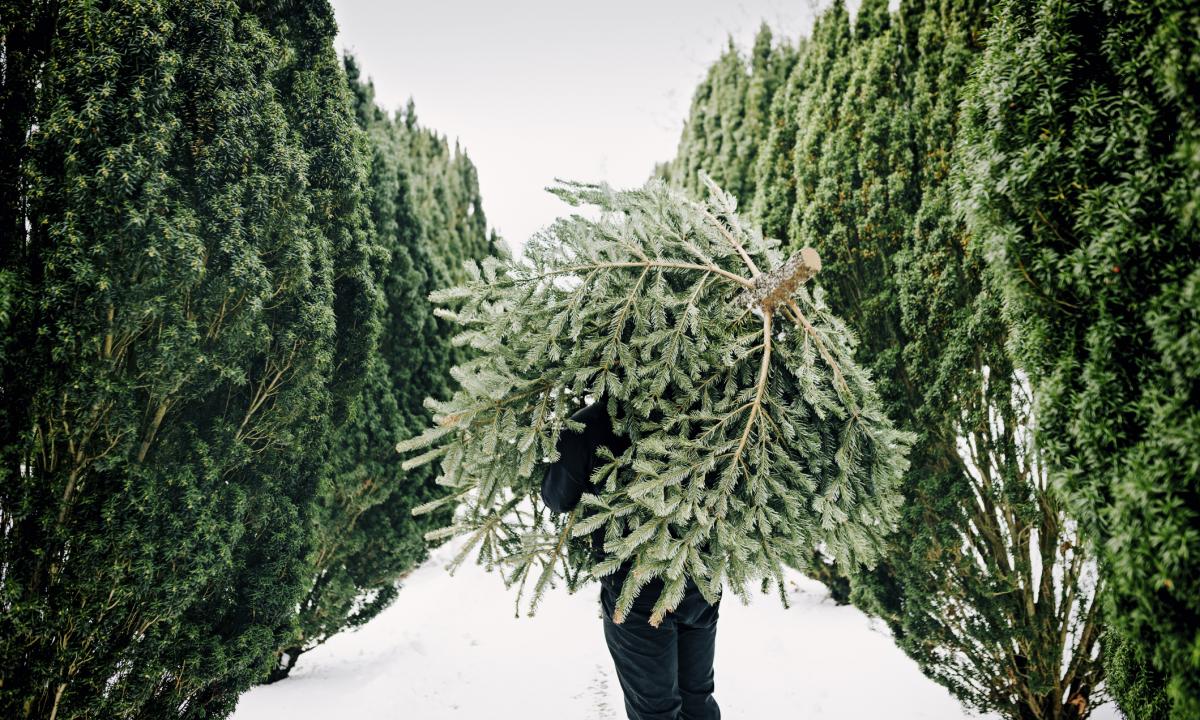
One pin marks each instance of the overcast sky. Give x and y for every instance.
(544, 88)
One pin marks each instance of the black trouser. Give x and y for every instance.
(666, 672)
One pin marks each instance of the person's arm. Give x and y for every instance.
(568, 478)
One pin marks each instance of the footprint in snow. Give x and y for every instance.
(599, 690)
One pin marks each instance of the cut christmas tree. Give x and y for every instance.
(755, 437)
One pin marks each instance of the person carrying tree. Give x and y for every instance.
(759, 441)
(666, 672)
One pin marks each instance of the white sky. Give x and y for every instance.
(539, 89)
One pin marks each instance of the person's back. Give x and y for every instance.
(665, 672)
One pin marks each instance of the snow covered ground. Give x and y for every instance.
(451, 648)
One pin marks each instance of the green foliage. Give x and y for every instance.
(366, 536)
(188, 240)
(729, 118)
(771, 440)
(853, 170)
(714, 138)
(775, 184)
(1139, 689)
(1081, 176)
(986, 584)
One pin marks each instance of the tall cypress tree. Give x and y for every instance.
(989, 585)
(866, 184)
(776, 180)
(855, 195)
(187, 243)
(1081, 175)
(729, 119)
(366, 534)
(713, 134)
(770, 65)
(271, 572)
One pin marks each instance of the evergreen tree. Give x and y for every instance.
(366, 536)
(770, 65)
(855, 191)
(990, 585)
(754, 439)
(729, 119)
(776, 179)
(1081, 176)
(869, 159)
(188, 244)
(1132, 680)
(312, 89)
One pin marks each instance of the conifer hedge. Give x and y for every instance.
(729, 118)
(191, 255)
(987, 584)
(215, 252)
(1081, 176)
(212, 288)
(427, 214)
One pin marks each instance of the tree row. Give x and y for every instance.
(1005, 202)
(216, 255)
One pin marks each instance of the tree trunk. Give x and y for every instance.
(284, 662)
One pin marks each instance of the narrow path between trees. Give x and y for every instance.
(450, 648)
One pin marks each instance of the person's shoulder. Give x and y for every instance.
(591, 414)
(598, 423)
(578, 441)
(599, 429)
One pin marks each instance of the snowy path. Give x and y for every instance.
(450, 648)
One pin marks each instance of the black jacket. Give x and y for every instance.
(568, 478)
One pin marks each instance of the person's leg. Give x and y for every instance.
(647, 662)
(696, 625)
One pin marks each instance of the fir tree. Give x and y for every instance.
(755, 436)
(1080, 175)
